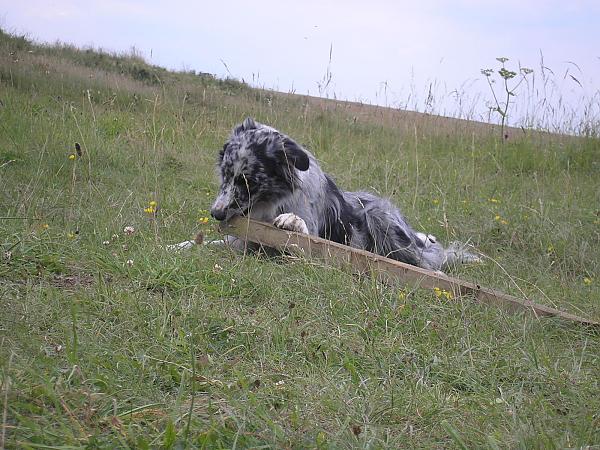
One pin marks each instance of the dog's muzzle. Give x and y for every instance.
(218, 213)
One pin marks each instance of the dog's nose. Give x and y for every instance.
(218, 214)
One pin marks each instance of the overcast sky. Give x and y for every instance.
(386, 52)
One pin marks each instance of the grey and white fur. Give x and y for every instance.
(268, 176)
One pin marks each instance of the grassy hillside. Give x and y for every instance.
(108, 341)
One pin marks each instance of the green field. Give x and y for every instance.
(109, 341)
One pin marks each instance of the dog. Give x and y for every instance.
(266, 175)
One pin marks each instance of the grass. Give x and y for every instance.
(108, 341)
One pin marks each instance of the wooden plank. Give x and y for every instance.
(388, 269)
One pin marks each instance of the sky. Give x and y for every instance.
(392, 53)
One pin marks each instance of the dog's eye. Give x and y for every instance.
(241, 180)
(260, 147)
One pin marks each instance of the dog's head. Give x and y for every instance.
(258, 165)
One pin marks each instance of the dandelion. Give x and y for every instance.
(401, 295)
(128, 230)
(493, 200)
(587, 281)
(435, 201)
(70, 235)
(72, 157)
(498, 218)
(203, 220)
(151, 208)
(45, 226)
(439, 293)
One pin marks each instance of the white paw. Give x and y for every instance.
(426, 239)
(185, 245)
(291, 222)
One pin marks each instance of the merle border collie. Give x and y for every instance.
(268, 176)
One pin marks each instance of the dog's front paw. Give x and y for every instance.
(185, 245)
(426, 239)
(291, 222)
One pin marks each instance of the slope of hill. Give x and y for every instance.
(110, 341)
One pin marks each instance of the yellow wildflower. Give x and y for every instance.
(499, 218)
(439, 293)
(152, 204)
(45, 226)
(587, 281)
(493, 200)
(70, 235)
(203, 220)
(72, 157)
(435, 201)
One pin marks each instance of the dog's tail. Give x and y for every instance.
(456, 253)
(435, 256)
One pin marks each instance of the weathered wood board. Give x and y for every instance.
(385, 268)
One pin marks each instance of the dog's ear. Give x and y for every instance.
(295, 154)
(222, 152)
(247, 124)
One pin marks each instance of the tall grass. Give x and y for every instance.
(109, 341)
